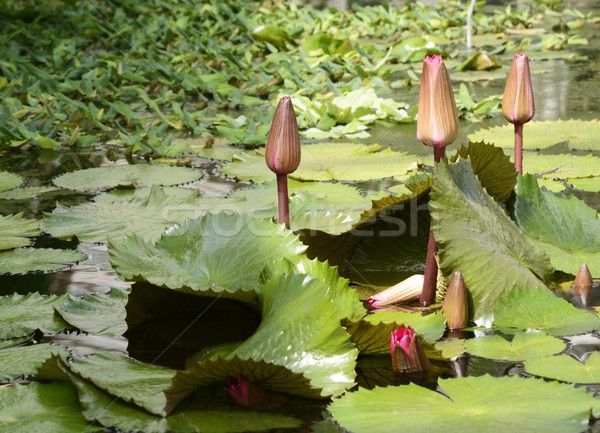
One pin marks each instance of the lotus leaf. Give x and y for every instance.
(21, 315)
(24, 260)
(214, 254)
(587, 183)
(563, 226)
(25, 193)
(476, 236)
(14, 231)
(40, 408)
(26, 360)
(540, 309)
(560, 166)
(9, 181)
(329, 161)
(524, 346)
(566, 369)
(126, 176)
(579, 134)
(100, 313)
(470, 405)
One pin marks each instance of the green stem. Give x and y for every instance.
(283, 200)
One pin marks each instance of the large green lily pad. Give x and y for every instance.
(9, 181)
(26, 193)
(329, 161)
(101, 313)
(523, 346)
(540, 309)
(21, 315)
(563, 226)
(26, 360)
(214, 254)
(126, 176)
(578, 134)
(15, 231)
(566, 368)
(470, 405)
(476, 236)
(41, 408)
(24, 260)
(560, 166)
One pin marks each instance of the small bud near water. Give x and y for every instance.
(582, 286)
(456, 308)
(407, 353)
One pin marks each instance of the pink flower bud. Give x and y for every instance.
(407, 353)
(283, 143)
(517, 104)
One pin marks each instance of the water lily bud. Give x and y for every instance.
(455, 308)
(437, 121)
(407, 353)
(403, 291)
(582, 286)
(283, 143)
(517, 103)
(244, 393)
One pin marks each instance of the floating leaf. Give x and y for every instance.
(579, 134)
(476, 236)
(115, 214)
(587, 184)
(26, 360)
(126, 176)
(24, 260)
(21, 315)
(524, 346)
(9, 181)
(567, 369)
(560, 166)
(214, 254)
(25, 193)
(100, 313)
(40, 407)
(473, 405)
(14, 231)
(540, 309)
(563, 226)
(329, 161)
(299, 348)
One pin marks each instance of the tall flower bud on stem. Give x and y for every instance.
(283, 152)
(437, 126)
(517, 104)
(455, 309)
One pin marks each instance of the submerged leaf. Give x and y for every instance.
(563, 226)
(476, 237)
(469, 405)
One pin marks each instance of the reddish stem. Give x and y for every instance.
(283, 200)
(431, 268)
(519, 147)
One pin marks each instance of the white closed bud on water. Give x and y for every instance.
(403, 291)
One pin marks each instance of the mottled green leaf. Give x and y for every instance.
(15, 231)
(26, 360)
(21, 315)
(24, 260)
(9, 181)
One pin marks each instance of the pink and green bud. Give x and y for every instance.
(245, 393)
(456, 308)
(407, 353)
(517, 104)
(582, 286)
(283, 143)
(437, 121)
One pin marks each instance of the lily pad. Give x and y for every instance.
(470, 405)
(587, 183)
(15, 231)
(329, 161)
(566, 368)
(40, 407)
(540, 309)
(215, 254)
(9, 181)
(24, 260)
(476, 236)
(579, 134)
(560, 166)
(21, 315)
(126, 176)
(25, 193)
(26, 360)
(563, 226)
(115, 214)
(100, 313)
(300, 348)
(524, 346)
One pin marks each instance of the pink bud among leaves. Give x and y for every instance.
(455, 308)
(407, 353)
(582, 286)
(517, 104)
(283, 143)
(244, 393)
(437, 121)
